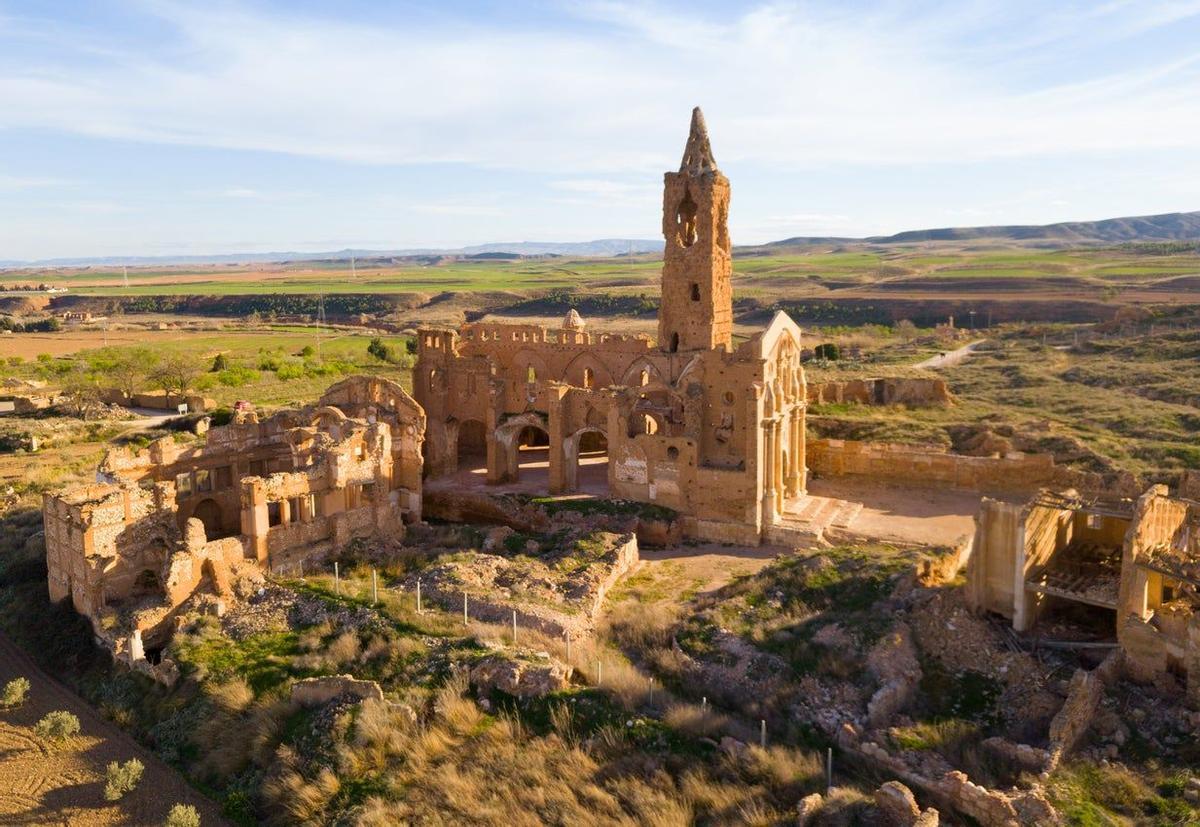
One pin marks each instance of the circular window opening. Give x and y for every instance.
(672, 453)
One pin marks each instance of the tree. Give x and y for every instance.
(176, 374)
(379, 350)
(126, 368)
(80, 392)
(220, 363)
(906, 330)
(828, 351)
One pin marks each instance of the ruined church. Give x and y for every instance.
(696, 422)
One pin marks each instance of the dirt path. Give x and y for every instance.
(66, 785)
(953, 357)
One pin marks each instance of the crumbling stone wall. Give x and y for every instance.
(171, 520)
(912, 391)
(690, 422)
(933, 466)
(1157, 593)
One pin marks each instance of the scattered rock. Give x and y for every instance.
(311, 692)
(522, 674)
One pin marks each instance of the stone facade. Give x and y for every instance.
(167, 520)
(694, 423)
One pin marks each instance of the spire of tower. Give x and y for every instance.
(697, 155)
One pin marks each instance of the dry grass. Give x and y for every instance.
(466, 767)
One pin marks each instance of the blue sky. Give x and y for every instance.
(155, 127)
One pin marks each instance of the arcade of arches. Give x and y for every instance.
(712, 430)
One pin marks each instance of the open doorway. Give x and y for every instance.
(586, 461)
(531, 453)
(472, 447)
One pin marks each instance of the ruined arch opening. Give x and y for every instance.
(209, 513)
(531, 456)
(589, 377)
(586, 461)
(686, 230)
(472, 446)
(146, 584)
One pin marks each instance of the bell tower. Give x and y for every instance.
(697, 297)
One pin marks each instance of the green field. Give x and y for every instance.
(845, 267)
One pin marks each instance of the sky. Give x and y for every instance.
(156, 127)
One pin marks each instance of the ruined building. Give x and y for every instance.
(697, 422)
(1131, 567)
(163, 521)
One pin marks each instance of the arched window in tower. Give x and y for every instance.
(644, 379)
(685, 221)
(530, 375)
(674, 342)
(695, 292)
(589, 378)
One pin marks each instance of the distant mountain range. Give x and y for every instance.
(513, 249)
(1177, 226)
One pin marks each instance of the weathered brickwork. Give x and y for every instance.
(170, 518)
(1140, 559)
(690, 422)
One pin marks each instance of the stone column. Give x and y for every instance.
(255, 524)
(795, 484)
(780, 470)
(558, 448)
(802, 447)
(497, 461)
(768, 468)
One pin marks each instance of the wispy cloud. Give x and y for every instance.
(786, 84)
(12, 183)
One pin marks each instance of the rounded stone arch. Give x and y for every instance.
(658, 408)
(769, 399)
(328, 419)
(208, 511)
(691, 372)
(523, 361)
(508, 439)
(784, 359)
(575, 444)
(632, 377)
(577, 372)
(466, 440)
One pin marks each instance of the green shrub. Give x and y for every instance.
(183, 815)
(381, 351)
(828, 351)
(308, 351)
(122, 778)
(15, 693)
(237, 376)
(57, 726)
(220, 363)
(288, 371)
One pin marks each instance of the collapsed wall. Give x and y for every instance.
(931, 465)
(173, 521)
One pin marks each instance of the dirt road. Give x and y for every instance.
(66, 785)
(953, 357)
